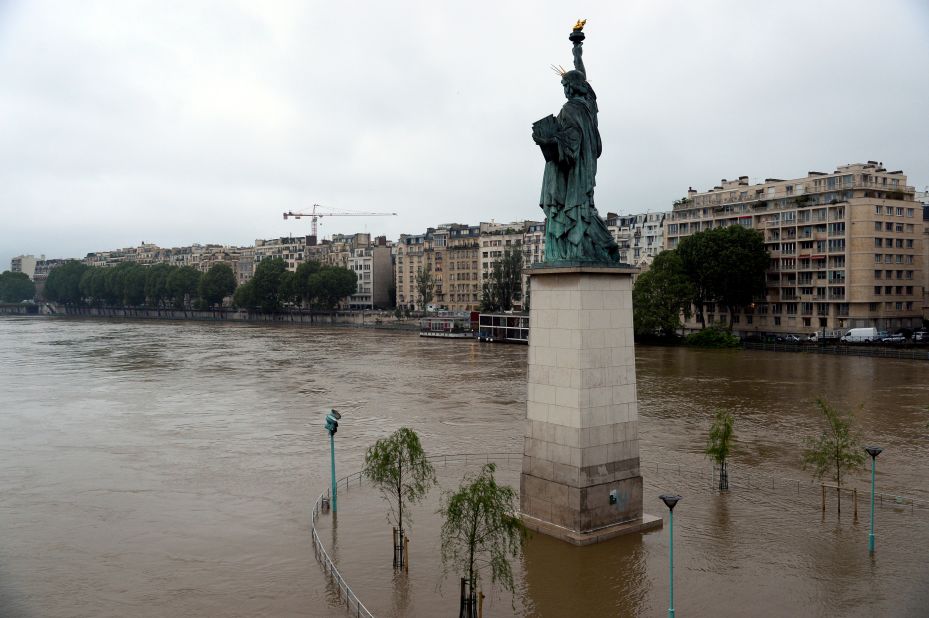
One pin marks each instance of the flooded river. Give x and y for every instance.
(168, 469)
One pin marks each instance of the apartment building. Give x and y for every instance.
(413, 253)
(25, 264)
(639, 237)
(451, 254)
(291, 249)
(847, 248)
(372, 262)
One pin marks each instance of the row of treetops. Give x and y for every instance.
(161, 286)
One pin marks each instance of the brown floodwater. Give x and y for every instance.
(169, 469)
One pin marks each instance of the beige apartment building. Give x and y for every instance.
(847, 248)
(451, 254)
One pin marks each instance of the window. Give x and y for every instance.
(877, 274)
(889, 227)
(877, 225)
(899, 212)
(909, 212)
(878, 210)
(877, 290)
(878, 242)
(777, 320)
(877, 258)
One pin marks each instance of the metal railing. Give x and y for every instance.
(808, 491)
(351, 599)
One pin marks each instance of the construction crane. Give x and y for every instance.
(315, 215)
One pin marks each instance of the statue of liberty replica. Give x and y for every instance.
(581, 481)
(570, 143)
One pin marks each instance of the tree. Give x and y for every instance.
(397, 465)
(156, 283)
(16, 287)
(244, 296)
(304, 285)
(93, 285)
(64, 283)
(182, 285)
(719, 445)
(725, 265)
(504, 284)
(482, 529)
(836, 450)
(425, 286)
(333, 283)
(134, 285)
(266, 284)
(216, 284)
(661, 295)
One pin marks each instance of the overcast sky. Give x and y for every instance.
(201, 122)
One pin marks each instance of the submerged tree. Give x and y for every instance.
(482, 529)
(397, 465)
(836, 450)
(719, 445)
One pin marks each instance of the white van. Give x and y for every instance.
(860, 335)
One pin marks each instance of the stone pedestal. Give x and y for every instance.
(580, 480)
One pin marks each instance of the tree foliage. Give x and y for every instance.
(397, 465)
(504, 284)
(63, 284)
(16, 287)
(661, 295)
(425, 287)
(836, 450)
(719, 444)
(331, 284)
(182, 285)
(482, 529)
(725, 265)
(216, 284)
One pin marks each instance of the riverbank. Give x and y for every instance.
(362, 319)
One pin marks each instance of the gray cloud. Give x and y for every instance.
(202, 122)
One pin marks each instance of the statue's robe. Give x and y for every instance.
(573, 229)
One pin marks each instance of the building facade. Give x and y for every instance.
(25, 264)
(847, 248)
(639, 237)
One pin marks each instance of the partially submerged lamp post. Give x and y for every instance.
(873, 451)
(670, 501)
(332, 426)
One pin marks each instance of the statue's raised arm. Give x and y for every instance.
(577, 37)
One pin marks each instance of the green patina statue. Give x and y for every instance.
(570, 143)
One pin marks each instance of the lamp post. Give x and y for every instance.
(670, 501)
(332, 426)
(873, 451)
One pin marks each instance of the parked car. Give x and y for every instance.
(788, 338)
(920, 336)
(896, 338)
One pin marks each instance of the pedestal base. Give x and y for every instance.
(581, 480)
(643, 524)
